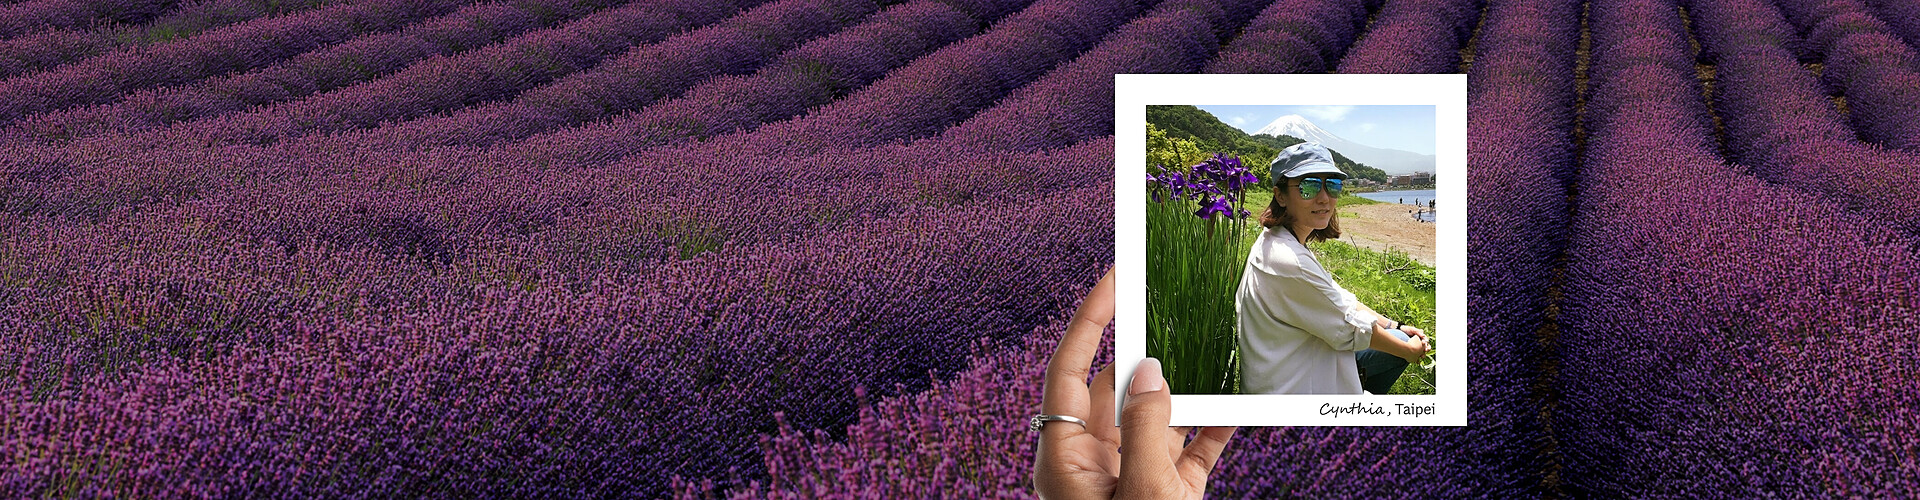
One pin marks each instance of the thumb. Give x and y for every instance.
(1145, 464)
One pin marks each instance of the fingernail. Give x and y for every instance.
(1146, 377)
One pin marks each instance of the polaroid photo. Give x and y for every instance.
(1292, 248)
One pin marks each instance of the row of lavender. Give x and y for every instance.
(1294, 37)
(104, 78)
(662, 71)
(29, 16)
(51, 47)
(1780, 121)
(1864, 61)
(1414, 37)
(487, 72)
(905, 446)
(1904, 18)
(1522, 104)
(1711, 346)
(342, 64)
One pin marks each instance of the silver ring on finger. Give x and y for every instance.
(1039, 421)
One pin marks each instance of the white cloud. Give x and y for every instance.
(1366, 127)
(1238, 121)
(1328, 114)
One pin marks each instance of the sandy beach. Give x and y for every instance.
(1388, 226)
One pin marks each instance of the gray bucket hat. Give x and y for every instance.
(1303, 159)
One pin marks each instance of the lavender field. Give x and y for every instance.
(823, 248)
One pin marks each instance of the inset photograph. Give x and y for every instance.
(1291, 244)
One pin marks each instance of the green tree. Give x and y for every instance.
(1170, 151)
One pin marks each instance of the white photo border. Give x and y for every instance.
(1446, 93)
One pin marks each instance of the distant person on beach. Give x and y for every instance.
(1300, 332)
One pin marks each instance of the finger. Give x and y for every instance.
(1101, 424)
(1143, 429)
(1066, 392)
(1176, 439)
(1198, 460)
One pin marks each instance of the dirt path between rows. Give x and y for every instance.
(1388, 226)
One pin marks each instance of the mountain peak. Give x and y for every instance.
(1292, 120)
(1298, 126)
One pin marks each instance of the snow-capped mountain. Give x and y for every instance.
(1393, 161)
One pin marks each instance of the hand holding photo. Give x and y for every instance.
(1076, 459)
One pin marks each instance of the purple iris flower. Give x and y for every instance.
(1219, 206)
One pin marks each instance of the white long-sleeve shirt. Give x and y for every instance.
(1298, 329)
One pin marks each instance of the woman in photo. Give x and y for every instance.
(1300, 332)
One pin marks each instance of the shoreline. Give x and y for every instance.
(1388, 226)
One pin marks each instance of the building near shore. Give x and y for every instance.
(1413, 179)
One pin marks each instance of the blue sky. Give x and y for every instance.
(1409, 128)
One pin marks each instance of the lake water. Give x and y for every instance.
(1420, 197)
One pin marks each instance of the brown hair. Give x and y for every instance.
(1275, 216)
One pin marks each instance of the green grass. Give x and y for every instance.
(1392, 284)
